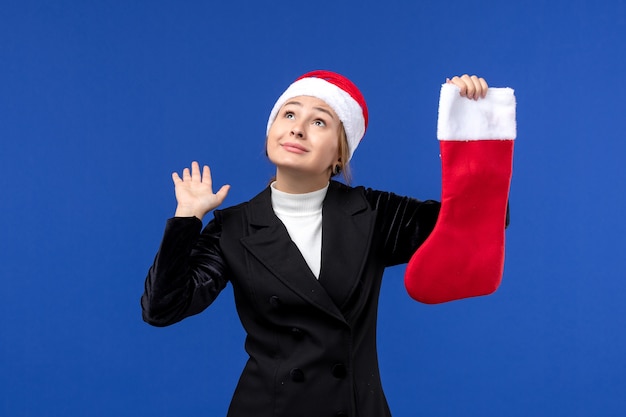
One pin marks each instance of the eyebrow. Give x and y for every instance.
(297, 103)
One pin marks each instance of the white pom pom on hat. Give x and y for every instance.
(339, 93)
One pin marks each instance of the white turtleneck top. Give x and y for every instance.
(302, 216)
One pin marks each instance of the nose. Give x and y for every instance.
(297, 131)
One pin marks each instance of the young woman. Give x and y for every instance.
(305, 258)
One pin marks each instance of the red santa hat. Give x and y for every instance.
(339, 93)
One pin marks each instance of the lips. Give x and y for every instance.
(294, 147)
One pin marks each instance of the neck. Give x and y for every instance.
(293, 183)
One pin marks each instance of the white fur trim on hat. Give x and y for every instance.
(492, 117)
(348, 110)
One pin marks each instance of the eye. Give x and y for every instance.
(319, 123)
(289, 115)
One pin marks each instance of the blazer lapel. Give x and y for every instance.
(347, 224)
(270, 243)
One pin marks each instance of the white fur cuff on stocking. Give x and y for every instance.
(492, 117)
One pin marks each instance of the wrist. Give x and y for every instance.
(184, 211)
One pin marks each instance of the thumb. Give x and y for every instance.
(222, 193)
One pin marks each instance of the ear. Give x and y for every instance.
(336, 170)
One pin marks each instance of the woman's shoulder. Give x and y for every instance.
(368, 194)
(258, 208)
(359, 197)
(382, 200)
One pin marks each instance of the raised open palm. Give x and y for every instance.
(194, 192)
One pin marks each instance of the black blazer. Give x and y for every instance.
(312, 343)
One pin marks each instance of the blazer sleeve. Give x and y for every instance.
(187, 274)
(402, 223)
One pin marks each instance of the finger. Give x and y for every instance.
(195, 171)
(471, 88)
(186, 175)
(222, 193)
(480, 87)
(484, 86)
(176, 178)
(461, 84)
(206, 175)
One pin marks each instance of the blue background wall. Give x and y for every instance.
(100, 101)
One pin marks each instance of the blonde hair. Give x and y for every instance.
(344, 157)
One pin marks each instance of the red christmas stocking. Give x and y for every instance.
(464, 255)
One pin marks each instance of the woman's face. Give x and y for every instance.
(304, 138)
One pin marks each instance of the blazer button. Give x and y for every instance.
(297, 375)
(339, 371)
(297, 333)
(274, 301)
